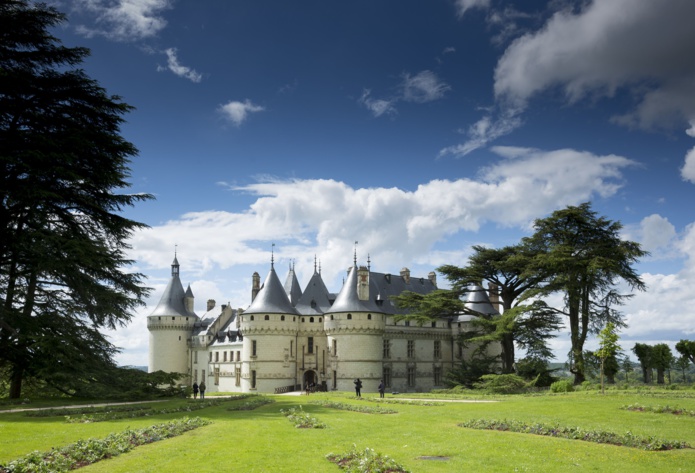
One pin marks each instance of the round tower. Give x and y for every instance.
(269, 330)
(170, 326)
(355, 329)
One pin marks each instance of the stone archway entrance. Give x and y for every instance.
(310, 379)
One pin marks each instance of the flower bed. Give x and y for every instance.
(252, 404)
(365, 461)
(659, 409)
(301, 419)
(351, 407)
(106, 416)
(85, 452)
(627, 439)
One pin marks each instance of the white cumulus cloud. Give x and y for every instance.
(174, 66)
(238, 112)
(688, 169)
(123, 20)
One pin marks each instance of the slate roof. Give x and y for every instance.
(172, 301)
(294, 292)
(347, 300)
(479, 301)
(272, 298)
(382, 286)
(316, 299)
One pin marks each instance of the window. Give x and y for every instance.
(195, 357)
(202, 375)
(335, 347)
(282, 318)
(253, 348)
(217, 376)
(434, 324)
(311, 320)
(349, 316)
(411, 348)
(320, 319)
(267, 317)
(253, 379)
(387, 377)
(460, 350)
(252, 318)
(335, 379)
(217, 356)
(437, 375)
(238, 377)
(411, 376)
(437, 349)
(195, 376)
(238, 356)
(310, 345)
(369, 316)
(407, 323)
(225, 355)
(387, 348)
(291, 347)
(210, 358)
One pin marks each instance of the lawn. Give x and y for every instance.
(263, 440)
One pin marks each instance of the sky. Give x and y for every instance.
(414, 128)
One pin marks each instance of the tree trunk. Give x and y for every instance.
(659, 376)
(507, 343)
(16, 383)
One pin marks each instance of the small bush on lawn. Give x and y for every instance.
(85, 452)
(562, 386)
(365, 461)
(301, 419)
(575, 433)
(502, 383)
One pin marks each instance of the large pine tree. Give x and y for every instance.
(63, 168)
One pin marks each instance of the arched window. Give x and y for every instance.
(311, 320)
(369, 316)
(282, 317)
(252, 318)
(331, 317)
(349, 316)
(320, 319)
(267, 317)
(302, 319)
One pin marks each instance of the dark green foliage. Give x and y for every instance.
(562, 386)
(502, 384)
(644, 355)
(62, 238)
(535, 368)
(687, 349)
(365, 461)
(583, 257)
(662, 359)
(469, 372)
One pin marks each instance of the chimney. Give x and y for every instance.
(211, 304)
(255, 285)
(494, 294)
(405, 274)
(432, 276)
(363, 284)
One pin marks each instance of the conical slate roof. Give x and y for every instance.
(272, 298)
(294, 292)
(172, 301)
(479, 301)
(316, 298)
(348, 301)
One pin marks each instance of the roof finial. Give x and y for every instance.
(319, 267)
(176, 249)
(314, 263)
(272, 255)
(369, 263)
(355, 256)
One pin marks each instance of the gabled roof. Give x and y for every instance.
(271, 299)
(294, 292)
(316, 298)
(348, 301)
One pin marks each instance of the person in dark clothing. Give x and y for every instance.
(195, 390)
(358, 387)
(381, 388)
(202, 389)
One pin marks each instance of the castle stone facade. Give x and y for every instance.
(288, 338)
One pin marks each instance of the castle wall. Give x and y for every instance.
(169, 343)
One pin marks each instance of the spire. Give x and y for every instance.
(369, 262)
(175, 265)
(354, 258)
(272, 256)
(314, 264)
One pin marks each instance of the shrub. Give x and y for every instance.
(562, 386)
(365, 461)
(502, 383)
(301, 419)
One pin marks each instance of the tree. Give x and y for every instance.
(644, 355)
(687, 349)
(527, 325)
(661, 358)
(608, 347)
(683, 363)
(626, 364)
(62, 239)
(583, 257)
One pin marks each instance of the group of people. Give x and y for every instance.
(358, 387)
(197, 388)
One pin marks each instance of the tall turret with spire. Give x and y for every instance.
(170, 326)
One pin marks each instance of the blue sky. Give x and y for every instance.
(417, 128)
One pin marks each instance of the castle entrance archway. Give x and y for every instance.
(310, 380)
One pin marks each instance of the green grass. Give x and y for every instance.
(263, 440)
